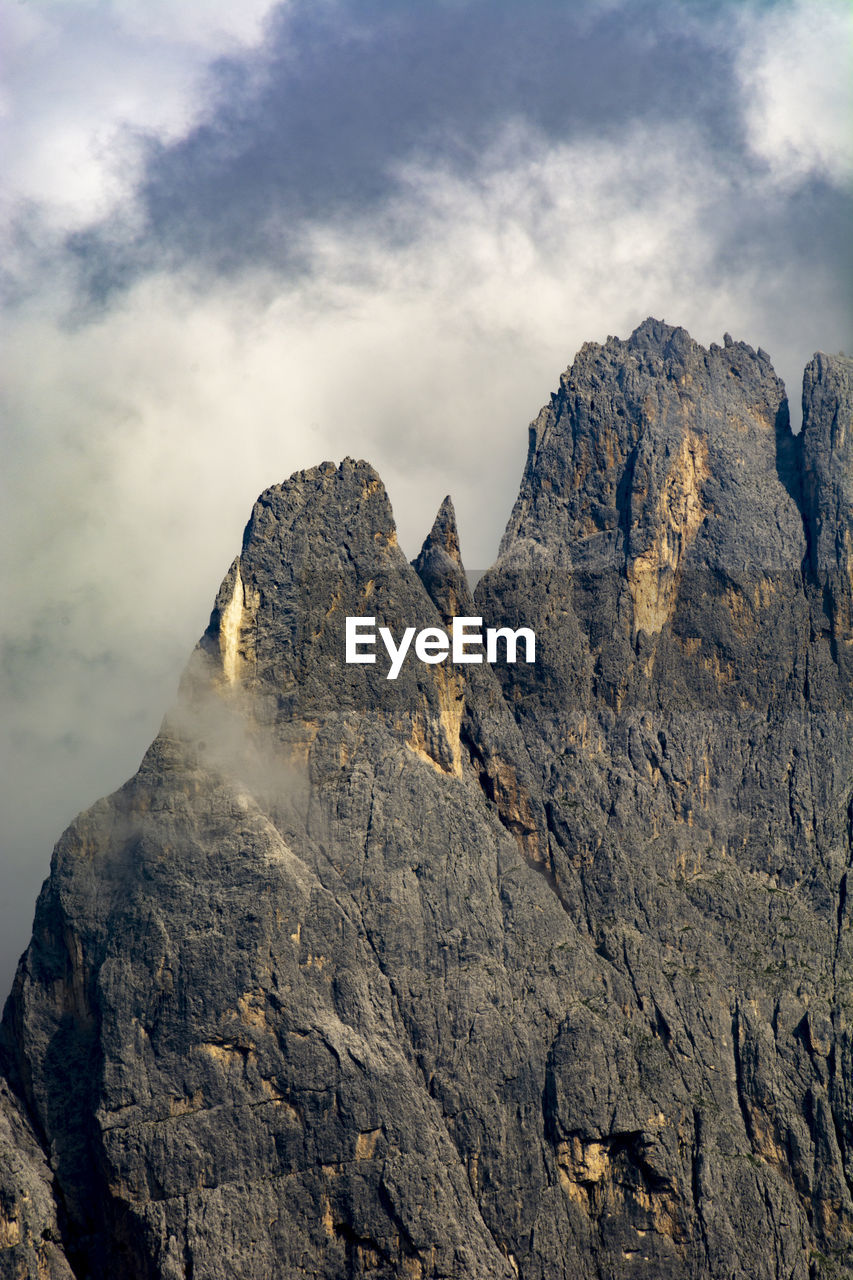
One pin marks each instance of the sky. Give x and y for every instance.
(238, 240)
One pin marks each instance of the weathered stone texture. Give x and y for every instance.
(30, 1236)
(525, 971)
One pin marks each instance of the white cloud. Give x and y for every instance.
(796, 71)
(83, 80)
(212, 26)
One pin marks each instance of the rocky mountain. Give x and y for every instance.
(515, 970)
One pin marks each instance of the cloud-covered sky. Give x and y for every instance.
(240, 239)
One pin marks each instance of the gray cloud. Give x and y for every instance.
(379, 236)
(315, 124)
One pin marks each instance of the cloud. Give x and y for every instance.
(314, 125)
(795, 70)
(85, 83)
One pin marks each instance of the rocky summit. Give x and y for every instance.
(530, 971)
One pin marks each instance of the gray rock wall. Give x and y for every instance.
(514, 971)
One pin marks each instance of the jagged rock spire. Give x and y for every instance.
(444, 532)
(439, 565)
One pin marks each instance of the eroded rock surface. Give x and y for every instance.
(514, 971)
(30, 1235)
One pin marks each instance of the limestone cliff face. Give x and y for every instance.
(691, 719)
(827, 445)
(515, 971)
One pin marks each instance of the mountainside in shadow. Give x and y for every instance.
(538, 970)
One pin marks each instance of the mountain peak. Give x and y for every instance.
(439, 566)
(444, 533)
(497, 968)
